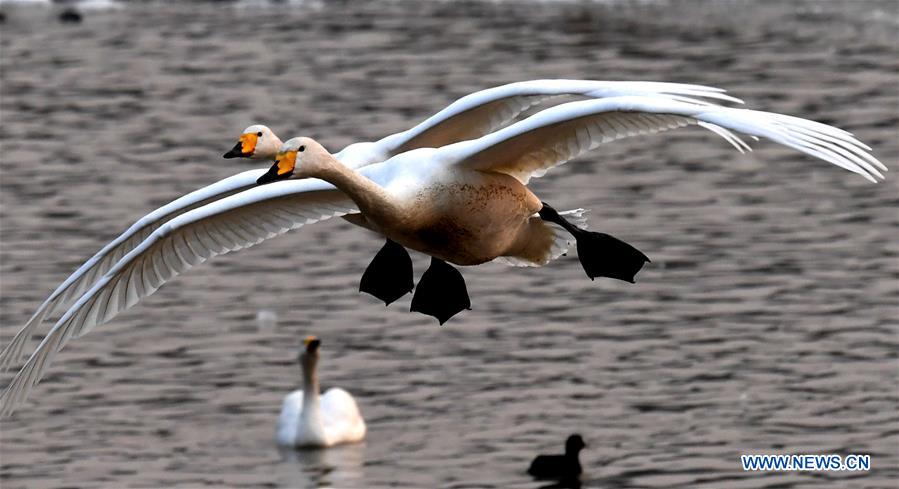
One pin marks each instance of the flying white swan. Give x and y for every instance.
(469, 117)
(505, 159)
(309, 419)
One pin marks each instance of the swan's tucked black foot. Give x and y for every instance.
(600, 254)
(389, 275)
(441, 292)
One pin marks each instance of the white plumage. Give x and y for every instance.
(309, 419)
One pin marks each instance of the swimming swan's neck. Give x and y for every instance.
(310, 424)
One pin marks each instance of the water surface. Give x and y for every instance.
(765, 324)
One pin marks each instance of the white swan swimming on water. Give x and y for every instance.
(505, 159)
(309, 419)
(469, 117)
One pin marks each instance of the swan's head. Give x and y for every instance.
(298, 158)
(257, 142)
(309, 353)
(574, 444)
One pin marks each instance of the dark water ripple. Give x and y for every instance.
(766, 323)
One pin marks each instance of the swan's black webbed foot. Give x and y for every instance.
(441, 292)
(389, 275)
(600, 254)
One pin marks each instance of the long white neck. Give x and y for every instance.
(310, 426)
(372, 199)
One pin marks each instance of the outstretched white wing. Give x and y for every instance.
(82, 278)
(558, 134)
(230, 224)
(482, 112)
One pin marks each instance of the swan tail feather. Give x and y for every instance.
(562, 240)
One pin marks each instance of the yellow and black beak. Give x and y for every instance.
(281, 170)
(244, 147)
(312, 343)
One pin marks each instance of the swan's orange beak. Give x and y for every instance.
(281, 170)
(245, 146)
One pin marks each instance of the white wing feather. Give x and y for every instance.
(82, 278)
(558, 134)
(230, 224)
(485, 111)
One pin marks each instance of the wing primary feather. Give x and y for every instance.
(182, 261)
(192, 243)
(211, 234)
(852, 145)
(135, 282)
(826, 156)
(727, 136)
(113, 301)
(509, 150)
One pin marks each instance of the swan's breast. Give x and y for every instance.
(467, 221)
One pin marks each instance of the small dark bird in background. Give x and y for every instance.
(560, 467)
(70, 16)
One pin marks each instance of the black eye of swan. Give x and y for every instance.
(302, 148)
(259, 134)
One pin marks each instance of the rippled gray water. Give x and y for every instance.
(767, 322)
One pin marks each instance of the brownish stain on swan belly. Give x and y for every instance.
(470, 223)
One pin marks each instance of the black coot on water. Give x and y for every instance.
(560, 467)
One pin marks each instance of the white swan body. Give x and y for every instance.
(518, 152)
(339, 417)
(311, 420)
(469, 117)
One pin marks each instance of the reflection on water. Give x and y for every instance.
(564, 484)
(339, 466)
(765, 324)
